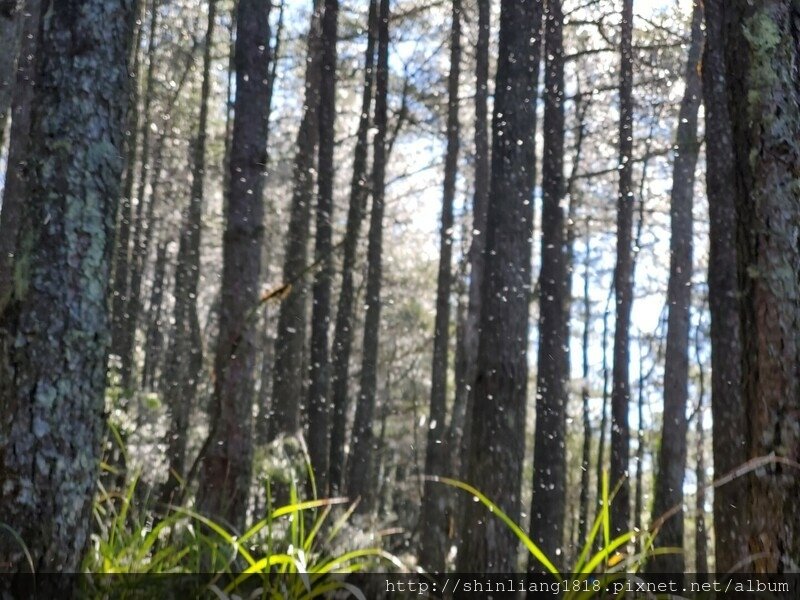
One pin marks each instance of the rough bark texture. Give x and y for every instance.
(343, 329)
(318, 407)
(672, 451)
(623, 284)
(548, 503)
(434, 518)
(359, 467)
(154, 337)
(11, 12)
(763, 47)
(54, 333)
(185, 356)
(225, 473)
(289, 374)
(498, 413)
(727, 400)
(18, 169)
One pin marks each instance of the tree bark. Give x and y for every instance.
(154, 337)
(11, 17)
(586, 448)
(359, 466)
(727, 399)
(289, 374)
(434, 518)
(55, 330)
(623, 284)
(225, 472)
(548, 503)
(498, 412)
(762, 57)
(185, 357)
(672, 450)
(318, 406)
(17, 173)
(343, 328)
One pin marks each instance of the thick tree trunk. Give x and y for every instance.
(11, 17)
(318, 407)
(289, 374)
(548, 503)
(185, 356)
(498, 413)
(54, 333)
(623, 284)
(433, 518)
(672, 450)
(16, 184)
(359, 467)
(343, 329)
(225, 472)
(727, 399)
(762, 57)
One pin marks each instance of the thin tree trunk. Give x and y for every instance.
(16, 175)
(226, 469)
(586, 450)
(54, 338)
(727, 397)
(133, 302)
(318, 406)
(185, 355)
(498, 412)
(343, 329)
(672, 450)
(548, 502)
(638, 499)
(289, 374)
(154, 338)
(359, 465)
(623, 284)
(433, 518)
(700, 532)
(763, 96)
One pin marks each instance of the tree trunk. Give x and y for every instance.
(727, 399)
(154, 338)
(586, 449)
(52, 380)
(289, 375)
(225, 472)
(343, 329)
(623, 284)
(359, 465)
(548, 501)
(433, 518)
(672, 450)
(762, 56)
(11, 17)
(185, 356)
(498, 413)
(700, 533)
(16, 175)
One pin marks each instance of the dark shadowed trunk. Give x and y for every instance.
(672, 450)
(225, 471)
(359, 466)
(762, 56)
(319, 373)
(343, 329)
(289, 374)
(433, 519)
(52, 376)
(11, 17)
(623, 283)
(498, 413)
(727, 399)
(154, 337)
(586, 448)
(548, 502)
(16, 174)
(185, 356)
(700, 532)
